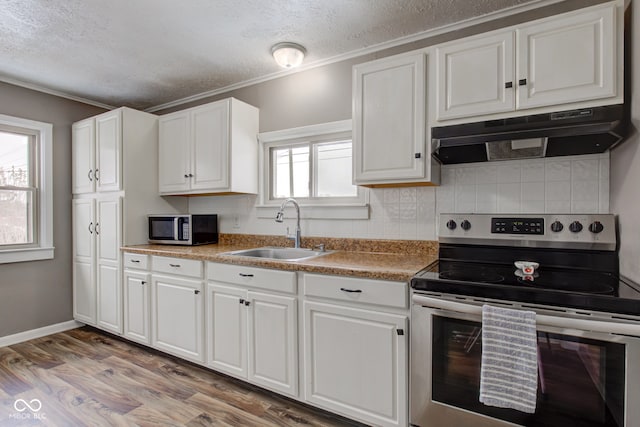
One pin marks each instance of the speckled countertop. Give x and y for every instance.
(396, 260)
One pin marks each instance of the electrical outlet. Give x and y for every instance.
(236, 222)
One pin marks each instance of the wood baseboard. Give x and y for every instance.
(38, 333)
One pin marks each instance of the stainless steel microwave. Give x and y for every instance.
(183, 229)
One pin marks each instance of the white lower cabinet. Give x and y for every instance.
(355, 359)
(252, 334)
(177, 316)
(137, 286)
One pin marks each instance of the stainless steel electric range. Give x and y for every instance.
(563, 267)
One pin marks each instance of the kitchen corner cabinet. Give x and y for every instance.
(252, 330)
(356, 348)
(389, 123)
(209, 149)
(571, 58)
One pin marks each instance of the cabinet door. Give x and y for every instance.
(136, 306)
(82, 151)
(475, 77)
(389, 119)
(227, 329)
(108, 234)
(177, 316)
(272, 336)
(568, 58)
(108, 151)
(210, 157)
(84, 275)
(356, 363)
(174, 152)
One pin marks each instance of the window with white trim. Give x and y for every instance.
(25, 190)
(312, 164)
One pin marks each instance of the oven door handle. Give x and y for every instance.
(613, 327)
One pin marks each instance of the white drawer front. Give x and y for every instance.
(181, 266)
(368, 291)
(136, 261)
(262, 278)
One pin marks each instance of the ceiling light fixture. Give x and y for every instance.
(288, 55)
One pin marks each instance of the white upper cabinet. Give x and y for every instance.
(389, 122)
(83, 148)
(571, 60)
(97, 153)
(475, 77)
(568, 59)
(209, 149)
(108, 151)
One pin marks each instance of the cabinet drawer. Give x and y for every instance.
(136, 261)
(379, 292)
(274, 280)
(184, 267)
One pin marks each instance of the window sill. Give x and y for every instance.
(318, 211)
(22, 255)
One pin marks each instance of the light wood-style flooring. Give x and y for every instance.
(84, 377)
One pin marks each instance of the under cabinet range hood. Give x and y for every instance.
(565, 133)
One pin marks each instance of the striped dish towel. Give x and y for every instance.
(509, 372)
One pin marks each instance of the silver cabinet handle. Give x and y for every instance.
(174, 265)
(143, 282)
(356, 291)
(96, 175)
(90, 229)
(245, 275)
(90, 175)
(97, 228)
(186, 175)
(137, 261)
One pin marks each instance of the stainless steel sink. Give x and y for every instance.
(285, 254)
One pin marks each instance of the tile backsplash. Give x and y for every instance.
(576, 184)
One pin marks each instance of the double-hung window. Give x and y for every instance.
(312, 164)
(25, 190)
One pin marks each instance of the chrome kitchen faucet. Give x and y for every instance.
(280, 217)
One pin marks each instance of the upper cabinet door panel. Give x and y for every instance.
(82, 150)
(210, 130)
(174, 152)
(475, 76)
(108, 151)
(568, 59)
(389, 119)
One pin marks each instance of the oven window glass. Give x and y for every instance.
(581, 381)
(161, 228)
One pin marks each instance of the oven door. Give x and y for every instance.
(587, 379)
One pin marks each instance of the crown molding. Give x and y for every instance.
(54, 92)
(492, 16)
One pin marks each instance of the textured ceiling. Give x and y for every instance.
(143, 53)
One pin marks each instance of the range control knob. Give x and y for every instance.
(557, 226)
(465, 225)
(596, 227)
(575, 227)
(451, 224)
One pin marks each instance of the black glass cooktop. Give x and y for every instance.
(589, 290)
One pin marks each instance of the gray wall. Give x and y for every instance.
(38, 293)
(625, 167)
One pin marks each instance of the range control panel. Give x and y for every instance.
(517, 225)
(592, 231)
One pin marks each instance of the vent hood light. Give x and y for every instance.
(530, 148)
